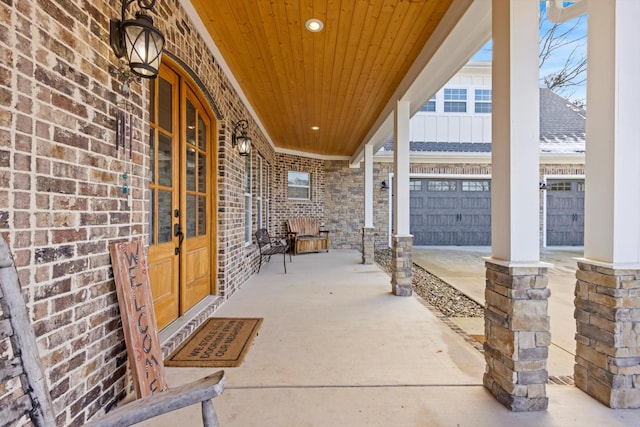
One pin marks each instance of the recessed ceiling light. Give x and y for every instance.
(314, 25)
(315, 127)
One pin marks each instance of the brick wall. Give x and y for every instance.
(61, 199)
(282, 207)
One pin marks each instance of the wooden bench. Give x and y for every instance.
(268, 246)
(306, 236)
(24, 372)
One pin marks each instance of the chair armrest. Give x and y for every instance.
(163, 402)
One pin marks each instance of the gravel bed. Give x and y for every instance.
(447, 299)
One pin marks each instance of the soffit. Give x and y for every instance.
(339, 79)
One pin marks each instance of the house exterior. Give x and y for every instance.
(451, 165)
(90, 156)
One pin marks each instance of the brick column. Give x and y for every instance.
(401, 265)
(517, 336)
(608, 334)
(368, 245)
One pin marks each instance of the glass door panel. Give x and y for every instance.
(164, 267)
(197, 247)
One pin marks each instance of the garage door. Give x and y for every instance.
(450, 212)
(565, 212)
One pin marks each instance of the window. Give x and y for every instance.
(475, 185)
(483, 100)
(247, 200)
(415, 185)
(455, 100)
(259, 197)
(267, 195)
(441, 185)
(430, 106)
(299, 185)
(560, 186)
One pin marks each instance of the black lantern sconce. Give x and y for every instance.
(138, 40)
(242, 142)
(384, 186)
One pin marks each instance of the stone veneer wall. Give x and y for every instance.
(61, 202)
(344, 205)
(517, 328)
(608, 334)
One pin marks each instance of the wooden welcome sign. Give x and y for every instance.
(138, 318)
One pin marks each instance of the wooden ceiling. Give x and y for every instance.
(338, 79)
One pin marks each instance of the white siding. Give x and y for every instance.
(457, 127)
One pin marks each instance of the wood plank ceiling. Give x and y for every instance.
(338, 79)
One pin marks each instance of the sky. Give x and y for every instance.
(556, 62)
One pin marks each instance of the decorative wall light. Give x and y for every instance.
(384, 186)
(138, 40)
(242, 142)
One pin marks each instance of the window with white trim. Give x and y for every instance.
(482, 100)
(259, 195)
(430, 106)
(267, 195)
(247, 200)
(455, 100)
(298, 185)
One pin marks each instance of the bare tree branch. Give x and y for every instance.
(572, 73)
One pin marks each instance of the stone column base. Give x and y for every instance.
(401, 266)
(368, 245)
(517, 332)
(608, 334)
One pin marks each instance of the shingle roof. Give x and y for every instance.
(562, 124)
(562, 131)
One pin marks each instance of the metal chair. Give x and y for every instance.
(270, 246)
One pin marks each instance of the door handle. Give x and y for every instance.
(177, 231)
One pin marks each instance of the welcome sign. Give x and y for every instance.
(138, 318)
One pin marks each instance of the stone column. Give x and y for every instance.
(518, 336)
(368, 245)
(608, 334)
(401, 266)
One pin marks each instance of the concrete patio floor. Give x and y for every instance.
(463, 268)
(336, 348)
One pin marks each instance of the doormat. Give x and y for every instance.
(218, 342)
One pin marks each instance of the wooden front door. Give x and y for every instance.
(196, 205)
(180, 227)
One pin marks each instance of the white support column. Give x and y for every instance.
(515, 129)
(607, 289)
(401, 259)
(401, 120)
(368, 186)
(516, 321)
(612, 172)
(368, 231)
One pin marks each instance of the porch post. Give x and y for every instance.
(401, 258)
(608, 286)
(517, 325)
(368, 241)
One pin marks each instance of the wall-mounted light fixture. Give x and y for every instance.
(242, 142)
(543, 186)
(138, 40)
(384, 186)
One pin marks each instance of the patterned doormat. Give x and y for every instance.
(218, 342)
